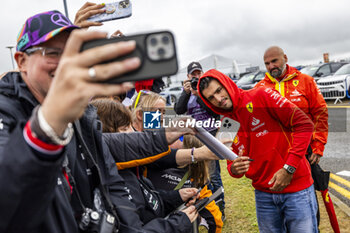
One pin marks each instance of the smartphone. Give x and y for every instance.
(156, 51)
(115, 10)
(228, 130)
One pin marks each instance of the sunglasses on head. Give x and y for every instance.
(145, 92)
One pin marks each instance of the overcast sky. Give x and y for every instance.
(239, 30)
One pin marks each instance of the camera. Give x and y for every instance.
(95, 222)
(194, 82)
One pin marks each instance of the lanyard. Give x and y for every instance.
(96, 170)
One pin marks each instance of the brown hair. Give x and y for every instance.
(112, 114)
(199, 171)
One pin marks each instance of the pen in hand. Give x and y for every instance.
(199, 190)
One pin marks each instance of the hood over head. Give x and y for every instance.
(232, 89)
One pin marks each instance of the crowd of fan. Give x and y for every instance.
(74, 158)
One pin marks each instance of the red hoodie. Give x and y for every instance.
(273, 132)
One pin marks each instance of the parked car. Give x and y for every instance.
(322, 70)
(299, 67)
(171, 94)
(248, 81)
(337, 84)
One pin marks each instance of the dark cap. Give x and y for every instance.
(194, 66)
(42, 27)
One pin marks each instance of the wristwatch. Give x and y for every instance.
(289, 169)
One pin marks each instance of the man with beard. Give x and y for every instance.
(272, 142)
(300, 89)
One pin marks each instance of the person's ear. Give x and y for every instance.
(139, 115)
(21, 60)
(285, 58)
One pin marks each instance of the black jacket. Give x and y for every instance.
(150, 147)
(33, 196)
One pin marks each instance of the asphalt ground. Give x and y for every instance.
(336, 157)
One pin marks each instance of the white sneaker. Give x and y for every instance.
(204, 223)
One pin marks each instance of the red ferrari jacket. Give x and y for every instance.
(273, 132)
(302, 90)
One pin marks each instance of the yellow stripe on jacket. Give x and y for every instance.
(140, 162)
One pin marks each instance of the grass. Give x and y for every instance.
(240, 208)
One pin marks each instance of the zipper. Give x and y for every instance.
(279, 87)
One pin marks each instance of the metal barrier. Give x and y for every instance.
(334, 90)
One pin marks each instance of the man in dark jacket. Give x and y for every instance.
(51, 179)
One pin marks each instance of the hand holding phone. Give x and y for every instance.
(113, 11)
(86, 11)
(156, 51)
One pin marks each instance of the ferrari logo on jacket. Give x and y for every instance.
(250, 107)
(295, 82)
(235, 140)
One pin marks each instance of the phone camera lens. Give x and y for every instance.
(123, 4)
(154, 41)
(161, 52)
(165, 40)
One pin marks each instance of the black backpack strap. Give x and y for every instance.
(93, 164)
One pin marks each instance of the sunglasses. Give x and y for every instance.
(145, 92)
(52, 55)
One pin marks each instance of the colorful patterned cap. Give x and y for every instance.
(42, 27)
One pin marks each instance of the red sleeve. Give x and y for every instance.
(229, 164)
(319, 114)
(238, 142)
(261, 83)
(293, 119)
